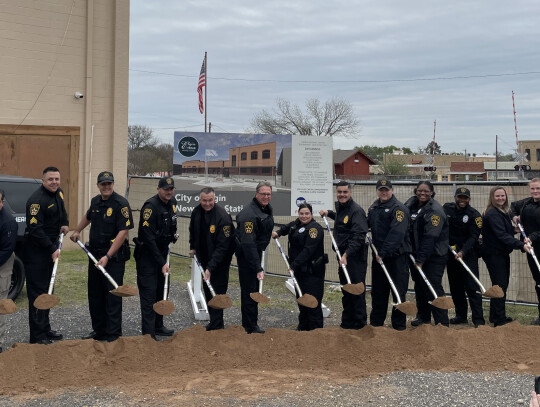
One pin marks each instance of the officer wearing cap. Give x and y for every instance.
(465, 225)
(157, 229)
(388, 220)
(111, 219)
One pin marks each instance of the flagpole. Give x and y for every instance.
(205, 87)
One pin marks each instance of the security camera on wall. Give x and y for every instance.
(78, 95)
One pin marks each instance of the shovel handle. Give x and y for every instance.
(289, 268)
(531, 249)
(482, 289)
(394, 289)
(423, 276)
(100, 267)
(334, 244)
(55, 267)
(204, 276)
(166, 284)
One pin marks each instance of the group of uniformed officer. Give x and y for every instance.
(421, 227)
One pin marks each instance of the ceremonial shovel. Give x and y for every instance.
(406, 307)
(439, 302)
(355, 289)
(532, 250)
(218, 301)
(258, 296)
(120, 291)
(307, 300)
(492, 292)
(165, 307)
(47, 301)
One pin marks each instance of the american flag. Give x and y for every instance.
(201, 85)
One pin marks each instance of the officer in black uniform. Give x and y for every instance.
(308, 262)
(254, 223)
(111, 219)
(527, 212)
(211, 238)
(429, 239)
(350, 230)
(46, 218)
(465, 226)
(157, 229)
(388, 220)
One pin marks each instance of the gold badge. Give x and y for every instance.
(463, 189)
(313, 233)
(109, 211)
(400, 215)
(33, 220)
(169, 181)
(125, 212)
(478, 221)
(212, 228)
(61, 195)
(346, 219)
(147, 213)
(383, 182)
(248, 227)
(145, 223)
(34, 209)
(435, 220)
(227, 231)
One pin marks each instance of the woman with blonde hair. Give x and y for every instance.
(498, 242)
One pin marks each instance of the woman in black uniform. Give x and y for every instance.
(308, 262)
(498, 242)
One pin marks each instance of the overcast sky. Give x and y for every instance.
(402, 65)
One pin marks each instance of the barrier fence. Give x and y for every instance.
(521, 287)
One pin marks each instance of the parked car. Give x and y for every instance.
(18, 190)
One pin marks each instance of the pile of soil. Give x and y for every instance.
(231, 363)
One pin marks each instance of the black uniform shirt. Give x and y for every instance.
(8, 235)
(45, 214)
(465, 226)
(108, 217)
(529, 214)
(498, 233)
(350, 227)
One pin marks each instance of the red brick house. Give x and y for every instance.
(352, 164)
(467, 171)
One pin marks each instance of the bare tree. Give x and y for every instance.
(334, 117)
(140, 136)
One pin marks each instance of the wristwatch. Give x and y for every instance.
(108, 257)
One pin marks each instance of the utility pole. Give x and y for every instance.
(496, 157)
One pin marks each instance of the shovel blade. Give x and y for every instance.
(308, 300)
(443, 302)
(164, 307)
(7, 306)
(125, 291)
(354, 289)
(46, 301)
(494, 292)
(220, 301)
(260, 298)
(408, 308)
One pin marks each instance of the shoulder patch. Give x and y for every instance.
(248, 227)
(400, 215)
(478, 222)
(125, 212)
(346, 219)
(128, 222)
(33, 220)
(174, 208)
(61, 195)
(212, 228)
(435, 220)
(227, 231)
(147, 213)
(145, 223)
(34, 209)
(313, 232)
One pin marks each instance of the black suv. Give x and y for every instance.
(18, 190)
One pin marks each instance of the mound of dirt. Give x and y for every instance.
(231, 363)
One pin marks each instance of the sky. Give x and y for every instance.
(402, 65)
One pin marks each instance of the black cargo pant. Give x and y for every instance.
(461, 282)
(151, 282)
(398, 269)
(354, 315)
(433, 268)
(38, 266)
(248, 284)
(310, 318)
(498, 265)
(219, 279)
(105, 308)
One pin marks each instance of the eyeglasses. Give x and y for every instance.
(264, 194)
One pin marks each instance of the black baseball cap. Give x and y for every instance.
(105, 176)
(463, 191)
(383, 183)
(166, 183)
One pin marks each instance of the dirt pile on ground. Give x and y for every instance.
(231, 363)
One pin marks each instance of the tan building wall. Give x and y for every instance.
(532, 149)
(51, 49)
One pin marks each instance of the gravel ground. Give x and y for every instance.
(401, 389)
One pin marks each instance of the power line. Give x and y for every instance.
(442, 78)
